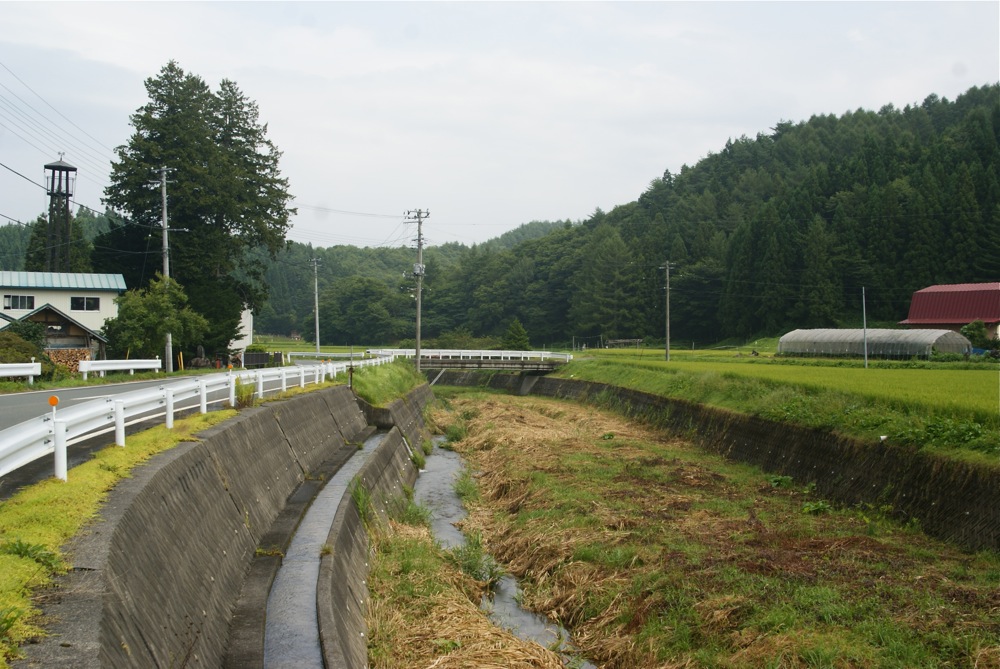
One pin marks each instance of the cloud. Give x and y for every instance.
(489, 114)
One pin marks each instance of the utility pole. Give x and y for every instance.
(666, 267)
(315, 264)
(864, 323)
(418, 268)
(169, 349)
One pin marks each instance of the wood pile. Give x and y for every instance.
(68, 357)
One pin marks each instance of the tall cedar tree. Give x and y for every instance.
(224, 190)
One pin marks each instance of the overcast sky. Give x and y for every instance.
(489, 115)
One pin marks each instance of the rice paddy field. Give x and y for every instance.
(950, 408)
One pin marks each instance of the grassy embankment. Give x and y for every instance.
(952, 409)
(37, 522)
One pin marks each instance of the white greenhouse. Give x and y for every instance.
(881, 343)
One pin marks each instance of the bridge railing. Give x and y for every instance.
(461, 354)
(52, 433)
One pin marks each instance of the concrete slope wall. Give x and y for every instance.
(342, 591)
(155, 579)
(405, 413)
(951, 500)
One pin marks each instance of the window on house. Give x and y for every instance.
(20, 302)
(85, 304)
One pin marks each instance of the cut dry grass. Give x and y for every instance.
(423, 611)
(656, 554)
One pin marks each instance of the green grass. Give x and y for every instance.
(956, 411)
(378, 385)
(37, 521)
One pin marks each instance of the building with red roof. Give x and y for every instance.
(950, 307)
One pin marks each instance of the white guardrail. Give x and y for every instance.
(458, 354)
(28, 369)
(51, 433)
(101, 366)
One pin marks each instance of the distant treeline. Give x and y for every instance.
(772, 233)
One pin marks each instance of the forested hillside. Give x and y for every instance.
(771, 233)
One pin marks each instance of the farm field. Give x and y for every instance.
(976, 389)
(953, 409)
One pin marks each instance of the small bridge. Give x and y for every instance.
(520, 361)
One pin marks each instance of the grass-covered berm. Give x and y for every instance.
(656, 554)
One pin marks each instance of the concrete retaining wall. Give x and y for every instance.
(156, 579)
(405, 413)
(342, 590)
(954, 501)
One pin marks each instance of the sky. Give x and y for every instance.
(488, 115)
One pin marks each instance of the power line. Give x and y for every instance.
(11, 169)
(52, 108)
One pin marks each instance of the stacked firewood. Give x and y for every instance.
(68, 357)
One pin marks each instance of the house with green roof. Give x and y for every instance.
(72, 306)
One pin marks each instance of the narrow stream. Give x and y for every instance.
(435, 490)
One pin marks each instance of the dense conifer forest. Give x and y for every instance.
(771, 233)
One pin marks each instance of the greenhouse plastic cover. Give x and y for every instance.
(880, 342)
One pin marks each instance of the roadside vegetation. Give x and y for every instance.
(656, 554)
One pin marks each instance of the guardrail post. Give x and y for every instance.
(260, 384)
(302, 377)
(232, 389)
(170, 408)
(284, 380)
(318, 370)
(203, 392)
(119, 422)
(59, 440)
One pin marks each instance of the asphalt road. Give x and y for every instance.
(18, 407)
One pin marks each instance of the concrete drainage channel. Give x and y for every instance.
(292, 635)
(177, 569)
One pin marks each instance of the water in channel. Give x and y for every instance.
(435, 490)
(291, 634)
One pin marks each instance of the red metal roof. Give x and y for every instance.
(956, 303)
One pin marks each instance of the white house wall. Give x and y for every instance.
(61, 300)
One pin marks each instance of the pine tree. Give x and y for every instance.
(224, 190)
